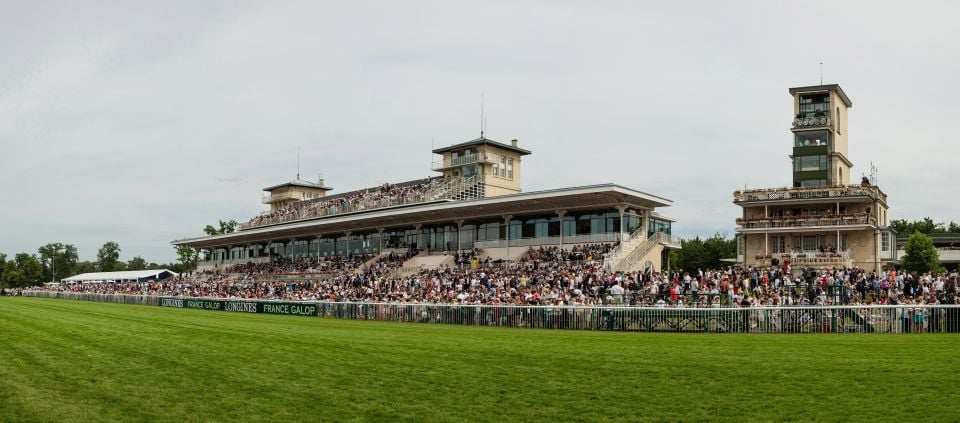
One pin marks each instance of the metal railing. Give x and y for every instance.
(896, 319)
(805, 221)
(626, 244)
(460, 161)
(551, 240)
(632, 261)
(830, 193)
(808, 122)
(273, 197)
(449, 189)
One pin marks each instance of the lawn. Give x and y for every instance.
(80, 361)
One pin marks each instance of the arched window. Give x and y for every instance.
(838, 120)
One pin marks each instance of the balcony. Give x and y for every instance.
(816, 221)
(811, 122)
(283, 196)
(440, 165)
(806, 259)
(870, 192)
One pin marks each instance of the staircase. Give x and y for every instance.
(457, 189)
(633, 253)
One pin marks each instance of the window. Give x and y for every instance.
(503, 167)
(809, 163)
(741, 245)
(496, 165)
(843, 243)
(510, 168)
(811, 139)
(885, 241)
(778, 244)
(814, 105)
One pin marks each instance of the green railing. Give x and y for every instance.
(788, 319)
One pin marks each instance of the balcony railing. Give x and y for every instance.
(805, 221)
(825, 193)
(272, 198)
(445, 189)
(811, 122)
(460, 161)
(808, 258)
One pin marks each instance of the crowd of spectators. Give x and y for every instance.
(543, 276)
(382, 196)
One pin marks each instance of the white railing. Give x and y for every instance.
(274, 197)
(460, 161)
(626, 243)
(631, 261)
(551, 240)
(808, 122)
(805, 221)
(809, 258)
(828, 193)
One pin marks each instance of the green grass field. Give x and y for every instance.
(79, 361)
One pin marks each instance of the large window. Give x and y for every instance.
(814, 105)
(885, 241)
(778, 244)
(657, 225)
(811, 138)
(810, 163)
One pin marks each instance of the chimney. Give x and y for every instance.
(320, 182)
(513, 142)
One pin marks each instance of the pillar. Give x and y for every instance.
(621, 208)
(561, 214)
(380, 237)
(417, 228)
(506, 220)
(459, 234)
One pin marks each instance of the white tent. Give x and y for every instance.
(130, 275)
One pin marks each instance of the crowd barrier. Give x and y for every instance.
(790, 319)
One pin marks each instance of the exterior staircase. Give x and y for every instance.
(635, 252)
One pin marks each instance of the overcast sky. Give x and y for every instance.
(141, 122)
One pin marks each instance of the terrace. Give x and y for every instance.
(810, 221)
(834, 193)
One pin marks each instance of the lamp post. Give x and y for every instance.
(53, 265)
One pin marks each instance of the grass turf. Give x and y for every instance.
(79, 361)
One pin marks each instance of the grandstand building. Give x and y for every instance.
(821, 221)
(475, 203)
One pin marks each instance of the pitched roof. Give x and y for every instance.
(483, 141)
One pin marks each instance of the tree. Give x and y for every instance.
(137, 263)
(227, 227)
(108, 257)
(920, 255)
(3, 271)
(924, 226)
(703, 254)
(28, 271)
(59, 260)
(186, 258)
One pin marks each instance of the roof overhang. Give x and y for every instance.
(483, 141)
(823, 88)
(550, 201)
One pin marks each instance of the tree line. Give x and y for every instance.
(56, 261)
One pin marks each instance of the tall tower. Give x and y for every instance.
(820, 136)
(821, 221)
